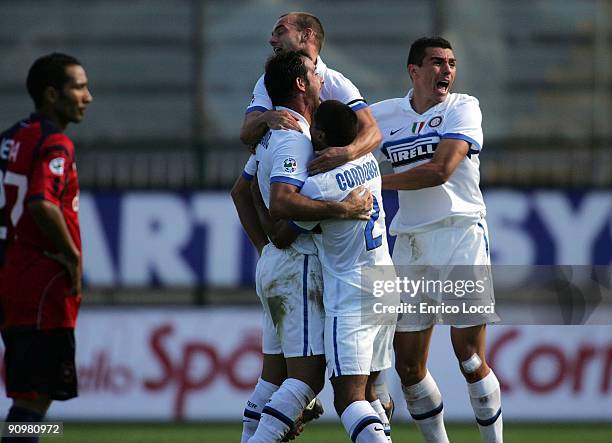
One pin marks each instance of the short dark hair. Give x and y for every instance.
(49, 70)
(281, 71)
(305, 20)
(338, 121)
(417, 49)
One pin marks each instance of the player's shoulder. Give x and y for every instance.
(457, 99)
(333, 75)
(260, 82)
(56, 140)
(289, 138)
(386, 107)
(279, 135)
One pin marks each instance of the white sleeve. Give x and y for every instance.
(290, 162)
(261, 100)
(250, 169)
(338, 87)
(379, 155)
(311, 190)
(464, 122)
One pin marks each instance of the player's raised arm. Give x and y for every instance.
(449, 154)
(257, 123)
(368, 138)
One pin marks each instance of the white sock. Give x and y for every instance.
(381, 389)
(279, 414)
(362, 423)
(378, 408)
(252, 411)
(425, 406)
(485, 397)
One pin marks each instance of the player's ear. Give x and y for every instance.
(412, 70)
(307, 34)
(300, 84)
(50, 94)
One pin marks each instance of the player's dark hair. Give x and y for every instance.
(338, 121)
(49, 70)
(418, 48)
(305, 20)
(281, 71)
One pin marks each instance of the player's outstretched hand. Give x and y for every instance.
(328, 159)
(282, 120)
(73, 266)
(358, 204)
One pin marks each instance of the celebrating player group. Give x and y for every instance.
(310, 200)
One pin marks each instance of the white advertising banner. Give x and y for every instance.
(201, 364)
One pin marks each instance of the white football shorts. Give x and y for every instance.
(290, 287)
(456, 243)
(353, 348)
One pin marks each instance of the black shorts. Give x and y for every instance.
(40, 362)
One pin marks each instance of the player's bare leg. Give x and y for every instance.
(371, 395)
(483, 386)
(360, 420)
(273, 373)
(420, 390)
(305, 379)
(27, 411)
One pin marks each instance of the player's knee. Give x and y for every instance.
(473, 368)
(343, 399)
(410, 372)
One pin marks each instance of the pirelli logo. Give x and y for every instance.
(403, 152)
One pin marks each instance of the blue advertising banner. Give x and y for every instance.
(180, 239)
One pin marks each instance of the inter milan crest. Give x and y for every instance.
(435, 122)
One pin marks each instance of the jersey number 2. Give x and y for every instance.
(372, 242)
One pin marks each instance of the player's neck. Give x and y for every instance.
(51, 115)
(422, 105)
(302, 108)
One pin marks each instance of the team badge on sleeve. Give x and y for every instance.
(57, 165)
(290, 165)
(435, 122)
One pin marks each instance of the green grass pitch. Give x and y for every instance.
(320, 433)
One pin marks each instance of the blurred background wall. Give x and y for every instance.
(171, 79)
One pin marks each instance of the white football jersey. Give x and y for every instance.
(282, 156)
(335, 87)
(346, 246)
(410, 139)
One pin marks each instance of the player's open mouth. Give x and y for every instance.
(442, 86)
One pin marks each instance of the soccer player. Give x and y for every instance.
(433, 139)
(300, 31)
(289, 280)
(354, 348)
(40, 277)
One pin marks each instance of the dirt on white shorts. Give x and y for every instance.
(290, 287)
